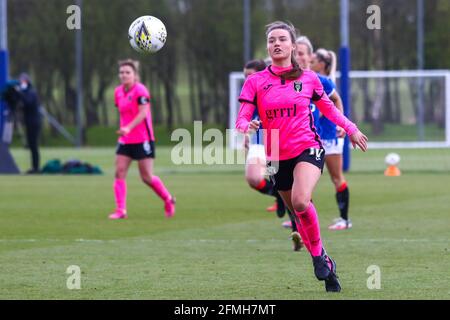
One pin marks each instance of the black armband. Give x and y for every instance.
(143, 100)
(248, 101)
(316, 97)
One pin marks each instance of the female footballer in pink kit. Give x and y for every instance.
(282, 94)
(323, 62)
(136, 139)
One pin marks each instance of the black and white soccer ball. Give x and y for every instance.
(147, 34)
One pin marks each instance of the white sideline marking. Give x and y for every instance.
(206, 240)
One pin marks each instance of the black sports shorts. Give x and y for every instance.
(284, 177)
(137, 151)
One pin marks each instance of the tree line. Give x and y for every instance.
(188, 78)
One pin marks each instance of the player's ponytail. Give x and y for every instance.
(332, 73)
(296, 71)
(328, 57)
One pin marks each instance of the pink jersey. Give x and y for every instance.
(284, 105)
(128, 104)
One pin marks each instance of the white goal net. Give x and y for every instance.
(396, 109)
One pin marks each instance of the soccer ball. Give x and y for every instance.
(147, 34)
(392, 159)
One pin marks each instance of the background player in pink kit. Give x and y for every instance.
(282, 94)
(136, 139)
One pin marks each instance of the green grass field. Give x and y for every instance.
(221, 243)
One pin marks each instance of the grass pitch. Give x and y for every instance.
(222, 244)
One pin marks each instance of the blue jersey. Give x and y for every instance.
(321, 123)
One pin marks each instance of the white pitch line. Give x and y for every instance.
(208, 240)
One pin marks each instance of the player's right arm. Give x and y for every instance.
(244, 122)
(247, 99)
(144, 109)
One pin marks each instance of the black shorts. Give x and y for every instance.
(137, 151)
(284, 177)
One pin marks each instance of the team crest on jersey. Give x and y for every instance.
(298, 85)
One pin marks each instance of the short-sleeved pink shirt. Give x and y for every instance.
(127, 103)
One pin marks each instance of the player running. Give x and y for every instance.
(282, 94)
(329, 133)
(303, 57)
(136, 139)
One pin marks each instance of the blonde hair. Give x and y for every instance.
(304, 40)
(329, 58)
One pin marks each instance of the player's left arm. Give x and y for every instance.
(144, 109)
(329, 110)
(336, 99)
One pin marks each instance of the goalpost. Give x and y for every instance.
(406, 122)
(7, 163)
(235, 82)
(385, 105)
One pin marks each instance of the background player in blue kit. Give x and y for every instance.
(255, 166)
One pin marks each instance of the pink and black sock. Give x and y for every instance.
(309, 226)
(343, 198)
